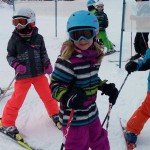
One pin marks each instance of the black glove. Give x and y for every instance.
(74, 98)
(131, 66)
(111, 91)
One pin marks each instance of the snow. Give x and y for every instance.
(33, 121)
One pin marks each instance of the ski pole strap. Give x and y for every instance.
(67, 129)
(69, 122)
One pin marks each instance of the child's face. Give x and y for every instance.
(100, 7)
(83, 44)
(20, 27)
(82, 38)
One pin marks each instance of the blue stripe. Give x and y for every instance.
(87, 83)
(61, 76)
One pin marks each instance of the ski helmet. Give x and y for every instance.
(25, 13)
(99, 3)
(82, 19)
(90, 2)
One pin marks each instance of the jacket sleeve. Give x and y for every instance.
(105, 21)
(61, 78)
(44, 56)
(11, 52)
(145, 63)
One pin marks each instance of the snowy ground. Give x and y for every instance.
(33, 121)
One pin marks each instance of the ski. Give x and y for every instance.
(19, 140)
(59, 126)
(117, 61)
(129, 146)
(111, 52)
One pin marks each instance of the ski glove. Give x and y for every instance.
(74, 98)
(111, 91)
(19, 68)
(131, 66)
(48, 69)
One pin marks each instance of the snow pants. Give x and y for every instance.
(21, 88)
(89, 136)
(140, 116)
(103, 36)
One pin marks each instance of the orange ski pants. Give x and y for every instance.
(140, 116)
(21, 88)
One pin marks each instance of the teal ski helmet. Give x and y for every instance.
(91, 2)
(81, 20)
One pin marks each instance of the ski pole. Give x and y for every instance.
(8, 87)
(109, 111)
(107, 116)
(110, 106)
(144, 41)
(67, 129)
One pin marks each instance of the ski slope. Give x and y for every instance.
(33, 121)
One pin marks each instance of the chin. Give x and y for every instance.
(84, 48)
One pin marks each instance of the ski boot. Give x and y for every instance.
(12, 132)
(55, 119)
(110, 51)
(131, 140)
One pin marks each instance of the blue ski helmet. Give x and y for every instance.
(82, 19)
(90, 2)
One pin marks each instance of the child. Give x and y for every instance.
(103, 21)
(91, 7)
(141, 38)
(142, 114)
(28, 56)
(75, 83)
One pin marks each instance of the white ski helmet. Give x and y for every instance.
(25, 13)
(99, 4)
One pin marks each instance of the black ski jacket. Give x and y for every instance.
(32, 54)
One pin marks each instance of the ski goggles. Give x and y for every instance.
(99, 6)
(19, 21)
(86, 34)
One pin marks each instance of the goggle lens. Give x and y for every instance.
(77, 35)
(21, 21)
(100, 6)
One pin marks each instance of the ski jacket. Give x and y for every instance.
(81, 72)
(144, 64)
(102, 19)
(32, 54)
(92, 9)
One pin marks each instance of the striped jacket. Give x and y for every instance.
(81, 72)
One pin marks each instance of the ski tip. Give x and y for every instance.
(59, 126)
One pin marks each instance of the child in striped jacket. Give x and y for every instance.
(75, 83)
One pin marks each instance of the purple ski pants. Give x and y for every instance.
(89, 136)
